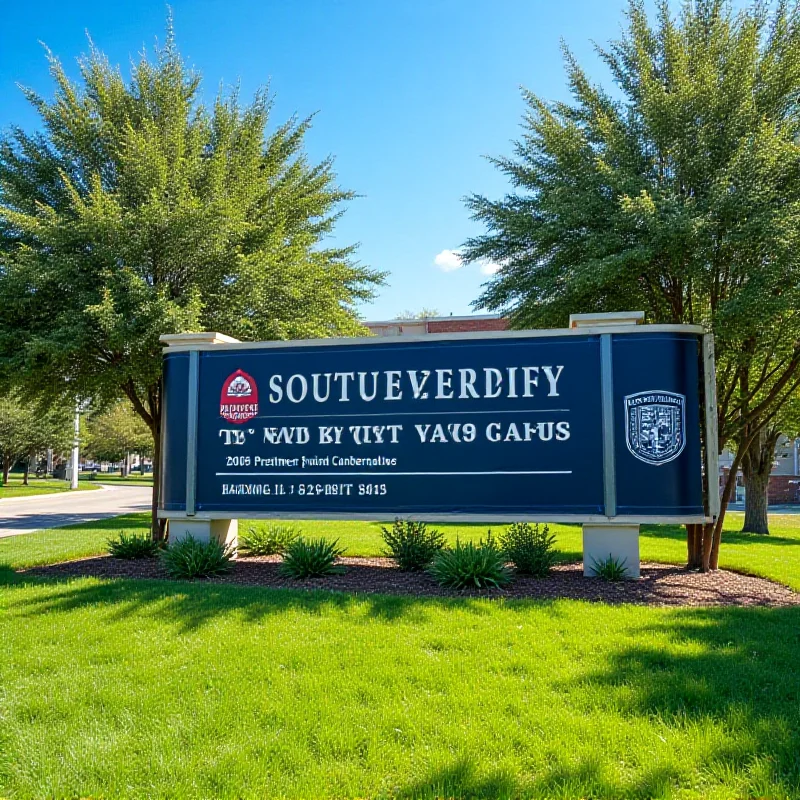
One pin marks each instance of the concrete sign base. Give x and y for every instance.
(617, 541)
(225, 531)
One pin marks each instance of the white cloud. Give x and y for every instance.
(448, 260)
(451, 260)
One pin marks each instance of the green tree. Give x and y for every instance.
(678, 194)
(115, 432)
(12, 433)
(136, 211)
(28, 429)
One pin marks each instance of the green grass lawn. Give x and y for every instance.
(15, 488)
(157, 689)
(64, 544)
(145, 689)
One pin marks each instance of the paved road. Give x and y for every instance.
(28, 514)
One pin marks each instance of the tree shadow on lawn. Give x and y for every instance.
(191, 605)
(586, 778)
(9, 576)
(728, 683)
(732, 669)
(726, 678)
(11, 546)
(678, 533)
(460, 780)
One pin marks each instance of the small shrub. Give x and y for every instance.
(311, 558)
(490, 542)
(132, 545)
(471, 566)
(610, 569)
(267, 540)
(411, 544)
(190, 558)
(529, 548)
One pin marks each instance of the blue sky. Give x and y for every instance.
(410, 96)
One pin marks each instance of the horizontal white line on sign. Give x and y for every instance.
(411, 413)
(389, 474)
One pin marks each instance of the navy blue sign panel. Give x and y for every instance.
(657, 428)
(505, 426)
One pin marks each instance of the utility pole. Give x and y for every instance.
(76, 447)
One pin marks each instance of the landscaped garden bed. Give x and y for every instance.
(659, 585)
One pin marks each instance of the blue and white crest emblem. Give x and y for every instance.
(655, 426)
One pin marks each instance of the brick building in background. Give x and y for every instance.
(784, 482)
(418, 327)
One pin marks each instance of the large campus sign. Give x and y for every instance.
(573, 424)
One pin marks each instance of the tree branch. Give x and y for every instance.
(130, 392)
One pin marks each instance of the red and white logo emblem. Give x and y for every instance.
(239, 400)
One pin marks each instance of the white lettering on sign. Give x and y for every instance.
(287, 435)
(445, 383)
(527, 431)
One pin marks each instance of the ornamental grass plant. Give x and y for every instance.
(610, 569)
(412, 544)
(311, 558)
(529, 548)
(133, 545)
(267, 539)
(189, 558)
(471, 566)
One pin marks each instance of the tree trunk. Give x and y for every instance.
(755, 502)
(694, 542)
(756, 468)
(712, 536)
(27, 469)
(6, 468)
(708, 546)
(701, 537)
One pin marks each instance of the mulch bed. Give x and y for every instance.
(659, 585)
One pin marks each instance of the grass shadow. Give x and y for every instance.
(730, 675)
(460, 780)
(9, 576)
(678, 533)
(191, 605)
(731, 668)
(564, 779)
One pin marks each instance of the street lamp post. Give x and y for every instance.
(76, 447)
